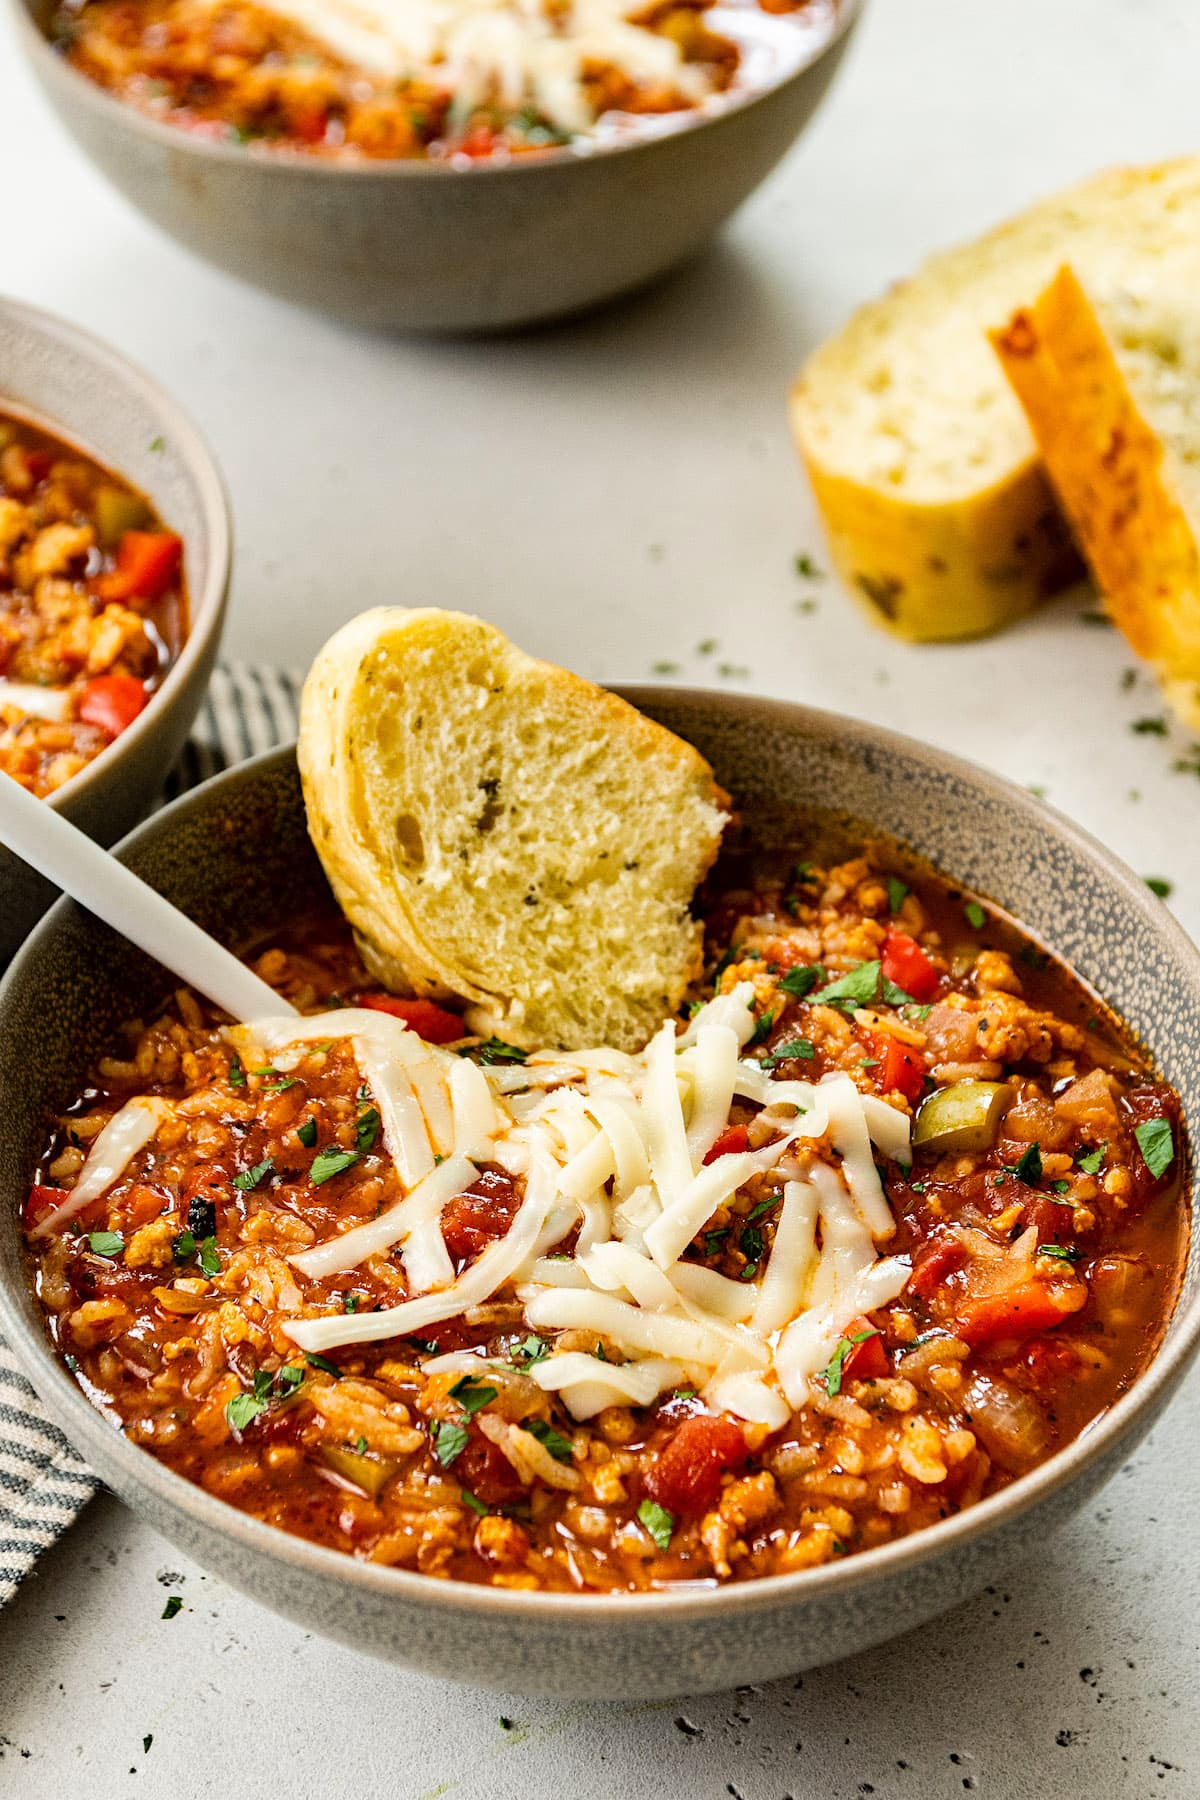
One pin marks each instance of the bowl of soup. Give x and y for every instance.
(456, 167)
(114, 563)
(426, 1341)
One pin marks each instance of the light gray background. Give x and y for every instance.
(613, 493)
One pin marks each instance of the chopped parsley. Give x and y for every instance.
(762, 1029)
(366, 1131)
(174, 1606)
(449, 1441)
(1158, 885)
(350, 1303)
(474, 1502)
(805, 566)
(800, 1049)
(1061, 1187)
(897, 890)
(307, 1133)
(472, 1395)
(714, 1241)
(802, 980)
(289, 1378)
(250, 1178)
(1029, 1169)
(210, 1262)
(1156, 1144)
(237, 1075)
(322, 1362)
(105, 1243)
(184, 1246)
(529, 1351)
(1060, 1252)
(657, 1521)
(975, 916)
(361, 1446)
(244, 1408)
(495, 1050)
(554, 1441)
(1090, 1161)
(831, 1374)
(328, 1163)
(858, 988)
(1150, 727)
(157, 445)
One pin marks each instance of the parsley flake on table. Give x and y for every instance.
(1160, 886)
(1156, 727)
(658, 1522)
(328, 1163)
(804, 566)
(1157, 1145)
(249, 1179)
(173, 1607)
(554, 1441)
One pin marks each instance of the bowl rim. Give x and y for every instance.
(38, 46)
(762, 1594)
(206, 609)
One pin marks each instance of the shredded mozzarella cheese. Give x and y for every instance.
(127, 1132)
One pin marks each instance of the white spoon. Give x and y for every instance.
(60, 851)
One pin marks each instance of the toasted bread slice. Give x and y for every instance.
(939, 510)
(1111, 389)
(498, 830)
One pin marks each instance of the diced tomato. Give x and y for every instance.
(937, 1259)
(905, 963)
(1053, 1223)
(484, 1470)
(436, 1024)
(147, 563)
(898, 1067)
(1049, 1361)
(476, 1218)
(140, 1205)
(867, 1361)
(1015, 1314)
(112, 702)
(733, 1139)
(308, 124)
(481, 141)
(686, 1476)
(40, 1204)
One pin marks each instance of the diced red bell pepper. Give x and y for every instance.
(867, 1360)
(40, 1204)
(732, 1140)
(436, 1024)
(309, 124)
(899, 1067)
(147, 563)
(905, 963)
(1017, 1313)
(112, 703)
(476, 1218)
(937, 1258)
(480, 141)
(484, 1470)
(686, 1475)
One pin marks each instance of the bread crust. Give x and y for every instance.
(1112, 475)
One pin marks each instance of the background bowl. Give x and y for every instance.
(426, 246)
(83, 392)
(230, 850)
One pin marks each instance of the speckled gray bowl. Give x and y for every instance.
(235, 855)
(429, 247)
(78, 388)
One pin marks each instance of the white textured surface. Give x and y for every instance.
(614, 493)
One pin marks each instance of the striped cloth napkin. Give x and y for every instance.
(43, 1484)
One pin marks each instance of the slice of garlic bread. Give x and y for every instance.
(1110, 385)
(498, 830)
(939, 511)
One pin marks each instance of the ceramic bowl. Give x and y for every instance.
(83, 392)
(231, 851)
(432, 247)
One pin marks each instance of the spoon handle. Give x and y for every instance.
(68, 858)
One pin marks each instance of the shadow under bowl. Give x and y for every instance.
(235, 852)
(429, 246)
(82, 392)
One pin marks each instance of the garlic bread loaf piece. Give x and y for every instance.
(940, 514)
(498, 830)
(1110, 385)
